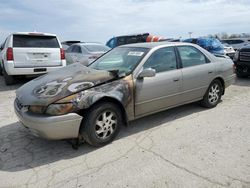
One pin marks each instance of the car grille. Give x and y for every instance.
(244, 56)
(19, 104)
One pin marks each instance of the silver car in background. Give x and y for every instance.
(85, 53)
(126, 83)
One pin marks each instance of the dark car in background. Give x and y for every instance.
(242, 61)
(68, 43)
(212, 45)
(135, 38)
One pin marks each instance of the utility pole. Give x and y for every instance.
(190, 34)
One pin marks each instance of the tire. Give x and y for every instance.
(213, 94)
(102, 124)
(9, 80)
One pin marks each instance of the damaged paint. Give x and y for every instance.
(63, 93)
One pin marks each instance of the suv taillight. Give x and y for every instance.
(9, 54)
(62, 52)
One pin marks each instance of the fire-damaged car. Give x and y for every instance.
(126, 83)
(242, 61)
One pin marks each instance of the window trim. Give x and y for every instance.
(179, 56)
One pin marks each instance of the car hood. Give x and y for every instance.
(56, 85)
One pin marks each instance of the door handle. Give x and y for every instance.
(176, 79)
(210, 72)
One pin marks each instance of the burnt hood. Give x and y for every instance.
(56, 85)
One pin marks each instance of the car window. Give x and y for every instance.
(35, 41)
(96, 48)
(163, 59)
(76, 49)
(233, 41)
(190, 56)
(69, 49)
(121, 41)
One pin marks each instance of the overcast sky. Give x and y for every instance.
(99, 20)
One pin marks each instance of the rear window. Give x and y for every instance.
(97, 48)
(32, 41)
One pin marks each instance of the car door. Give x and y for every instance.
(156, 93)
(197, 73)
(68, 55)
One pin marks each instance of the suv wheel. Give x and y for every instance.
(9, 80)
(213, 95)
(102, 124)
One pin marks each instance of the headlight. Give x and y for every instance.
(37, 109)
(63, 106)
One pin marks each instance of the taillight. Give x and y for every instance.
(9, 54)
(62, 52)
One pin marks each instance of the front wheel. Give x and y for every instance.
(102, 124)
(213, 95)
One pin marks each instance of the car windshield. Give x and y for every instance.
(96, 48)
(122, 59)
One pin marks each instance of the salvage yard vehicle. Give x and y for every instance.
(33, 53)
(212, 45)
(237, 43)
(84, 53)
(229, 50)
(242, 61)
(124, 84)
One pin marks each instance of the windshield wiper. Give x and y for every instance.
(116, 73)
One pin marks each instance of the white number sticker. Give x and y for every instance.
(135, 53)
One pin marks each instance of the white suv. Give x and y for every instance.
(30, 54)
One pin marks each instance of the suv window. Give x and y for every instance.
(161, 60)
(76, 49)
(190, 56)
(33, 41)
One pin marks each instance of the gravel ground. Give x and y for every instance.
(188, 146)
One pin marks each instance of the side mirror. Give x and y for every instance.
(149, 72)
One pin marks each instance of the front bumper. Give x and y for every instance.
(50, 127)
(242, 67)
(12, 70)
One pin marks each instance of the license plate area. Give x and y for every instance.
(40, 69)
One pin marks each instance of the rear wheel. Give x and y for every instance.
(213, 95)
(9, 80)
(102, 124)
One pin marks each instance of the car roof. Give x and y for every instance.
(131, 35)
(236, 39)
(33, 33)
(88, 43)
(156, 44)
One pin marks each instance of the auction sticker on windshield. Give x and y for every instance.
(135, 53)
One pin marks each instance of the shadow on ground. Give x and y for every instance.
(242, 81)
(18, 83)
(20, 151)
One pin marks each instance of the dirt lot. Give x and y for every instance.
(188, 146)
